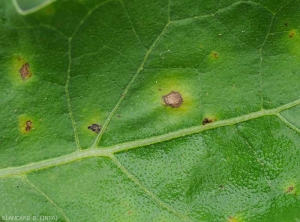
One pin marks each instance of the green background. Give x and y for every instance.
(110, 63)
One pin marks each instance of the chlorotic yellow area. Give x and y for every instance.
(18, 62)
(294, 42)
(211, 115)
(22, 120)
(94, 118)
(234, 219)
(214, 55)
(167, 84)
(290, 188)
(292, 33)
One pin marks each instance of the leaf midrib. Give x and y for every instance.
(109, 151)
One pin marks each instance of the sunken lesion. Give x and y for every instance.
(25, 71)
(22, 69)
(173, 99)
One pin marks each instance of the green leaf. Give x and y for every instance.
(152, 110)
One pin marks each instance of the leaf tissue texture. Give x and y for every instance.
(158, 110)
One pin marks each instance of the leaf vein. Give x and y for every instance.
(286, 122)
(128, 87)
(147, 191)
(108, 151)
(45, 196)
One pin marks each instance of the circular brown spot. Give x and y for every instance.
(173, 99)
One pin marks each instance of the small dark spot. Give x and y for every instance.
(206, 121)
(290, 189)
(173, 99)
(231, 219)
(216, 55)
(17, 186)
(95, 128)
(291, 34)
(24, 71)
(159, 89)
(129, 212)
(221, 186)
(119, 116)
(28, 125)
(286, 24)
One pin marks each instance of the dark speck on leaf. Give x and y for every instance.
(28, 125)
(290, 189)
(95, 128)
(206, 121)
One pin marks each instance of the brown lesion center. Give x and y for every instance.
(95, 128)
(290, 189)
(173, 99)
(206, 121)
(28, 126)
(24, 71)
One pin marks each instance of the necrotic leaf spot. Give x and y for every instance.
(28, 125)
(24, 71)
(95, 128)
(290, 189)
(173, 99)
(206, 121)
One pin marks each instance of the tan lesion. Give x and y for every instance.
(173, 99)
(21, 69)
(25, 71)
